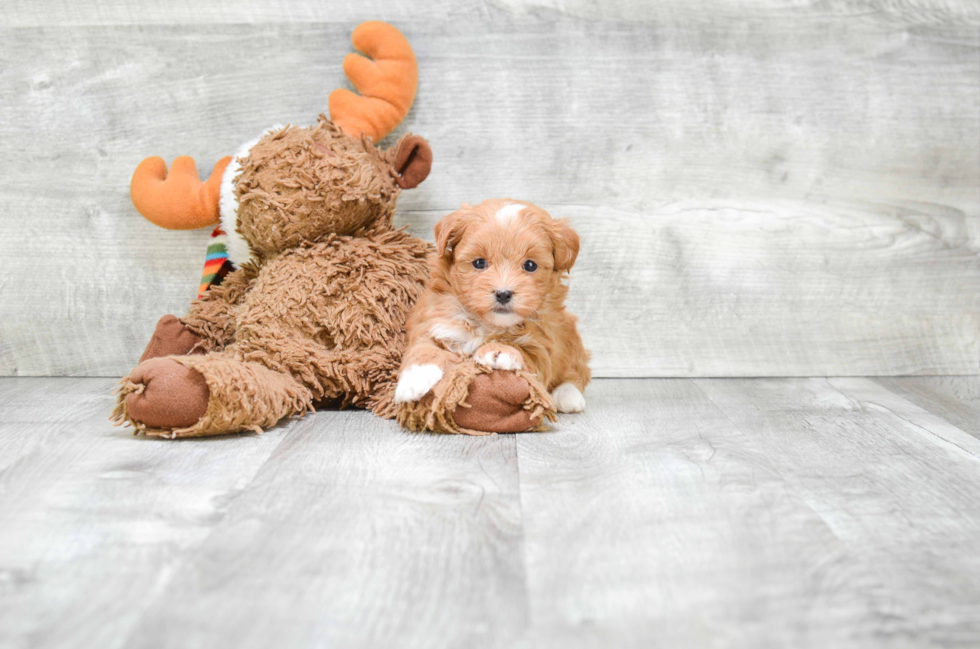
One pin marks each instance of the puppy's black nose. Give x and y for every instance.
(504, 296)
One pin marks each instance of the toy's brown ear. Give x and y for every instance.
(449, 231)
(566, 243)
(413, 160)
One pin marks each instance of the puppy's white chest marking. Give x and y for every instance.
(456, 339)
(505, 320)
(567, 398)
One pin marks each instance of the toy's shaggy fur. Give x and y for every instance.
(320, 313)
(318, 322)
(316, 311)
(301, 183)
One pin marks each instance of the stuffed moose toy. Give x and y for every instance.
(314, 311)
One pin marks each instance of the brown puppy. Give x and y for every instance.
(496, 294)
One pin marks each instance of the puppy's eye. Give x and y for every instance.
(530, 266)
(479, 264)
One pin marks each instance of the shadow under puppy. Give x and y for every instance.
(496, 295)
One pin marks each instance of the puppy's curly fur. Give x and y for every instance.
(496, 295)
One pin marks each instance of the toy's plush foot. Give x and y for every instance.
(171, 338)
(496, 405)
(166, 395)
(472, 399)
(202, 395)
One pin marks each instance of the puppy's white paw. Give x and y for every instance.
(567, 398)
(498, 360)
(416, 381)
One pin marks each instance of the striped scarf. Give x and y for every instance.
(216, 264)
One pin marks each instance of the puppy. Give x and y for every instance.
(496, 294)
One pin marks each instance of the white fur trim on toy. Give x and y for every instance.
(239, 252)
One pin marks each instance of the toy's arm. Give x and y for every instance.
(212, 316)
(209, 324)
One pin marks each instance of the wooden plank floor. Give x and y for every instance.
(679, 513)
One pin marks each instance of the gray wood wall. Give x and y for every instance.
(762, 188)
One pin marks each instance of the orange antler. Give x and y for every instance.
(178, 200)
(387, 83)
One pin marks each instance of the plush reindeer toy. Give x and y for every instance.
(315, 309)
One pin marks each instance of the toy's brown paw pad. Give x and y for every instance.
(171, 338)
(173, 396)
(497, 404)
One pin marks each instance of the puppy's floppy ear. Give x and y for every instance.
(449, 231)
(566, 242)
(413, 161)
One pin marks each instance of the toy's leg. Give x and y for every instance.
(209, 325)
(211, 394)
(474, 400)
(163, 394)
(171, 338)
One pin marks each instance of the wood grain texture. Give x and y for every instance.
(356, 534)
(780, 189)
(653, 520)
(886, 478)
(954, 398)
(49, 407)
(94, 521)
(24, 13)
(676, 513)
